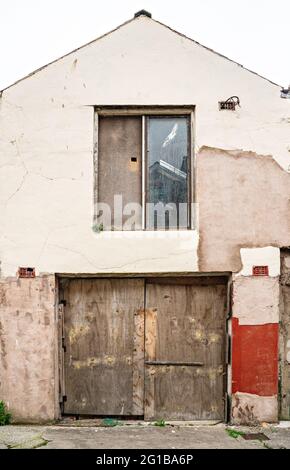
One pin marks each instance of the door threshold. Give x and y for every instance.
(73, 421)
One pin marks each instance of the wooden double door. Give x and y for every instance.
(143, 347)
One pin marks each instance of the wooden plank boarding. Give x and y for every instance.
(150, 355)
(103, 375)
(134, 347)
(138, 363)
(185, 349)
(61, 372)
(120, 147)
(284, 336)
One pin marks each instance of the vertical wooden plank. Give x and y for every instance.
(138, 363)
(100, 360)
(150, 355)
(120, 166)
(61, 351)
(190, 328)
(284, 366)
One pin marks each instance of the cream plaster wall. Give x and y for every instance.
(46, 144)
(256, 300)
(266, 256)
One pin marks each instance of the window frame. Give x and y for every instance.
(145, 169)
(145, 112)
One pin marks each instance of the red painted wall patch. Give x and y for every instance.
(255, 358)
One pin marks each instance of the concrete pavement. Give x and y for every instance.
(141, 435)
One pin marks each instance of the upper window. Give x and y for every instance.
(143, 169)
(167, 172)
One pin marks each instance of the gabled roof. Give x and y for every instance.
(143, 14)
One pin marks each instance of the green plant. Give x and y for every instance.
(5, 416)
(233, 433)
(110, 422)
(267, 446)
(161, 423)
(98, 228)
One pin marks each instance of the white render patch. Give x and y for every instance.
(288, 351)
(256, 300)
(283, 425)
(77, 249)
(266, 256)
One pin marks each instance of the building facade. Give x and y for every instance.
(144, 234)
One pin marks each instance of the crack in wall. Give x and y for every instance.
(137, 260)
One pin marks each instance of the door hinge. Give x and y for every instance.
(227, 407)
(60, 311)
(230, 301)
(228, 349)
(63, 344)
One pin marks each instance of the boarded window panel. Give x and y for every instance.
(119, 167)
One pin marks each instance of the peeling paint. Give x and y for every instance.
(60, 169)
(249, 409)
(233, 216)
(27, 348)
(256, 300)
(243, 198)
(78, 331)
(104, 361)
(265, 256)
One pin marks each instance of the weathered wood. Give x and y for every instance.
(184, 348)
(284, 378)
(99, 336)
(174, 363)
(119, 148)
(189, 281)
(190, 322)
(138, 364)
(60, 324)
(150, 355)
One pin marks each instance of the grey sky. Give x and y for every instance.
(255, 33)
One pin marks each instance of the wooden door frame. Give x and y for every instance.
(60, 314)
(284, 283)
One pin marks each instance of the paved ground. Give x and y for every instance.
(140, 436)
